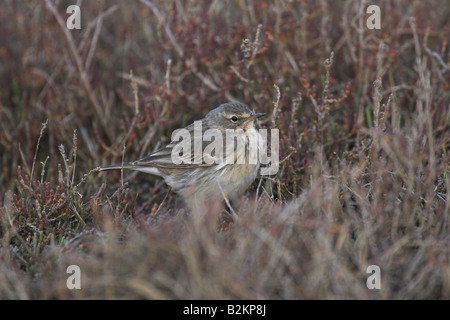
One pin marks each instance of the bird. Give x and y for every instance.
(220, 174)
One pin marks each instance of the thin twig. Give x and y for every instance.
(276, 107)
(327, 64)
(235, 216)
(237, 73)
(75, 149)
(86, 176)
(44, 125)
(255, 46)
(167, 77)
(98, 27)
(43, 169)
(121, 169)
(160, 205)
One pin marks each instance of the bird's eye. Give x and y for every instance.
(234, 118)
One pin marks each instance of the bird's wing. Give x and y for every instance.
(186, 152)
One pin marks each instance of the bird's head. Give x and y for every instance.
(232, 115)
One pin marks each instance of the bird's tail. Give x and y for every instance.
(117, 166)
(133, 166)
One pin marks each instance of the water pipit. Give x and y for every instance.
(212, 159)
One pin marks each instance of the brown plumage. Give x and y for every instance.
(206, 176)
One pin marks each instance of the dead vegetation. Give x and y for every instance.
(364, 140)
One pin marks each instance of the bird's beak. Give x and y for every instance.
(255, 116)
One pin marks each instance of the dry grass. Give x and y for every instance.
(364, 140)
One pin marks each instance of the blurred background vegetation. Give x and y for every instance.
(364, 140)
